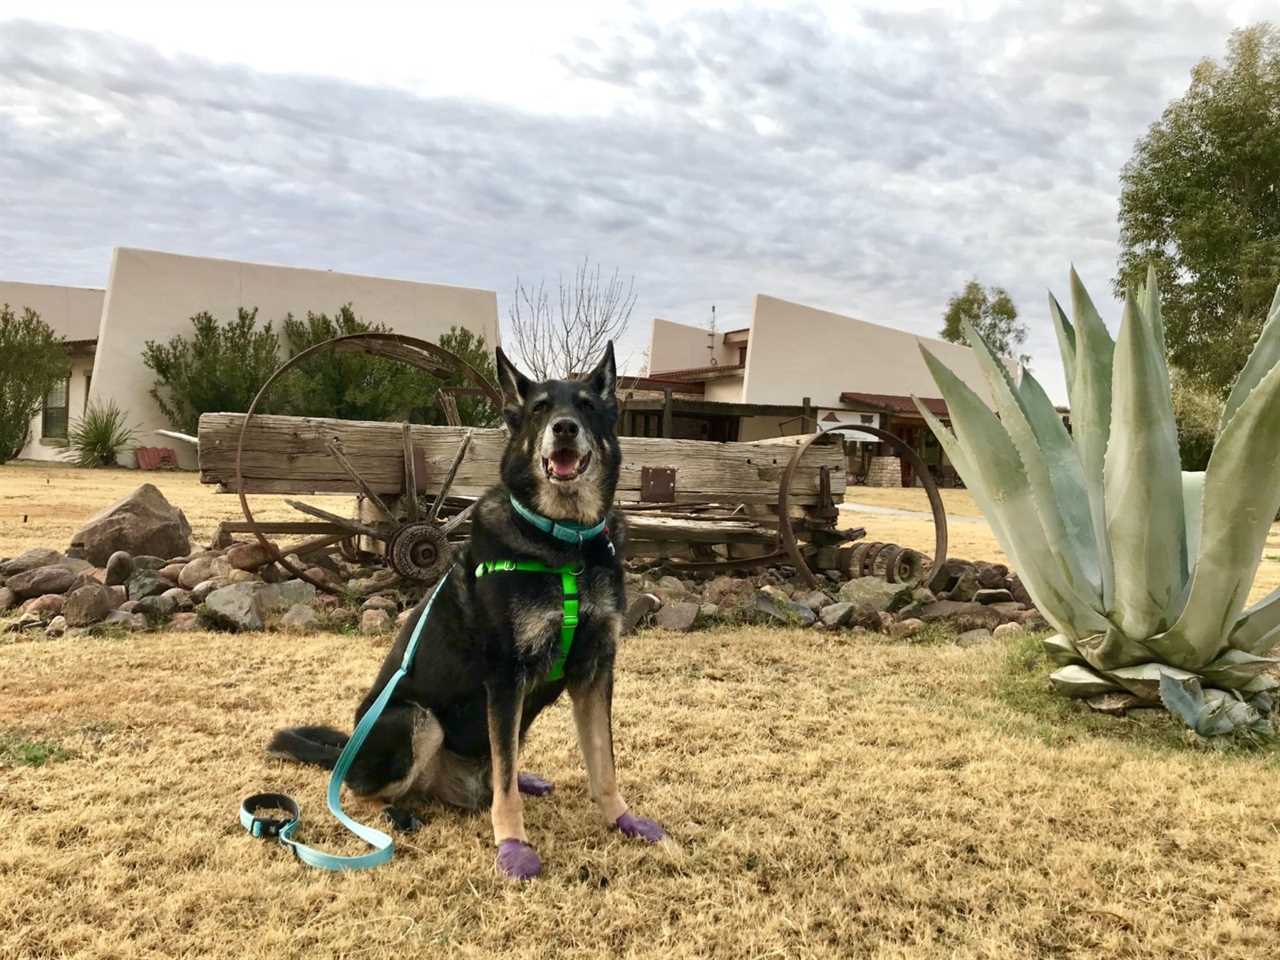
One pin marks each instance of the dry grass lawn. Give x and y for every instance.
(835, 796)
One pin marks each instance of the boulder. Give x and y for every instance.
(248, 556)
(234, 607)
(119, 568)
(45, 607)
(964, 616)
(300, 618)
(8, 599)
(639, 609)
(991, 576)
(679, 616)
(729, 592)
(201, 569)
(147, 583)
(53, 578)
(180, 598)
(837, 614)
(815, 600)
(29, 560)
(171, 572)
(276, 598)
(142, 522)
(972, 637)
(87, 605)
(57, 627)
(129, 606)
(990, 597)
(158, 607)
(147, 562)
(206, 587)
(119, 595)
(906, 628)
(965, 586)
(184, 623)
(870, 592)
(381, 602)
(118, 619)
(241, 576)
(708, 611)
(1007, 630)
(374, 622)
(784, 610)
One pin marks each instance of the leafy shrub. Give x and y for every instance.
(32, 360)
(474, 411)
(219, 369)
(96, 439)
(1196, 411)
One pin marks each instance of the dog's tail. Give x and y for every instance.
(317, 745)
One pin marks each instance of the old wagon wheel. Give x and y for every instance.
(415, 540)
(868, 554)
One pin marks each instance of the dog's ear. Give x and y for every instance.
(514, 386)
(604, 378)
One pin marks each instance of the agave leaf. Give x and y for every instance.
(1258, 628)
(1061, 650)
(1235, 668)
(1065, 544)
(1113, 648)
(1192, 497)
(992, 458)
(1183, 698)
(1149, 301)
(1066, 341)
(1078, 681)
(1143, 679)
(1091, 417)
(1227, 711)
(1265, 355)
(1261, 684)
(1143, 483)
(1240, 501)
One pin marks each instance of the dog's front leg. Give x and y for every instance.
(516, 858)
(593, 716)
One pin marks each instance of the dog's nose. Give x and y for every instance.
(565, 429)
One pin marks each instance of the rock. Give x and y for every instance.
(1015, 587)
(1007, 630)
(158, 607)
(1033, 622)
(1010, 611)
(775, 592)
(181, 599)
(147, 583)
(185, 623)
(119, 595)
(990, 597)
(8, 599)
(815, 600)
(29, 560)
(906, 628)
(966, 585)
(148, 562)
(729, 592)
(234, 607)
(964, 616)
(129, 606)
(118, 618)
(276, 598)
(46, 606)
(203, 568)
(374, 622)
(57, 627)
(248, 556)
(172, 572)
(679, 616)
(381, 602)
(300, 618)
(971, 637)
(783, 610)
(638, 610)
(870, 592)
(322, 574)
(403, 616)
(88, 605)
(380, 580)
(86, 579)
(672, 583)
(205, 587)
(241, 576)
(991, 576)
(837, 614)
(37, 581)
(142, 522)
(708, 611)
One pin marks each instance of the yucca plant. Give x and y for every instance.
(96, 439)
(1144, 570)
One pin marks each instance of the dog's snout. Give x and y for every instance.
(565, 429)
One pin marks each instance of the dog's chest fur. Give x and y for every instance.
(536, 621)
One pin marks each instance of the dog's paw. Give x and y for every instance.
(632, 827)
(532, 785)
(517, 860)
(402, 820)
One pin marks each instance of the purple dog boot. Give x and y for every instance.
(644, 828)
(517, 860)
(532, 785)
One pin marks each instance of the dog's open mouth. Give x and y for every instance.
(564, 466)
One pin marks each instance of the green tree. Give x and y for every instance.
(219, 369)
(346, 386)
(1197, 411)
(992, 313)
(474, 411)
(1201, 201)
(33, 360)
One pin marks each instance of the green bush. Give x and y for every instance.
(474, 411)
(33, 360)
(1197, 411)
(96, 439)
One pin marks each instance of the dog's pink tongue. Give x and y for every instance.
(564, 463)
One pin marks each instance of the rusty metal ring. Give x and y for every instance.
(393, 346)
(788, 537)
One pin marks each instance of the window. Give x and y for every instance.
(88, 379)
(53, 422)
(868, 418)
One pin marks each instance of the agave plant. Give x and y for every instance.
(1144, 570)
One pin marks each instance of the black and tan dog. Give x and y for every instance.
(454, 726)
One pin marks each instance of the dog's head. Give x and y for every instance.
(563, 456)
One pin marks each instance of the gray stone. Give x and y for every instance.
(181, 599)
(966, 616)
(381, 602)
(638, 610)
(171, 572)
(378, 581)
(992, 576)
(300, 618)
(119, 568)
(57, 627)
(870, 592)
(159, 607)
(8, 599)
(147, 583)
(235, 607)
(201, 569)
(784, 610)
(906, 628)
(679, 616)
(129, 606)
(148, 562)
(1007, 630)
(708, 611)
(205, 587)
(185, 622)
(142, 522)
(248, 556)
(38, 581)
(374, 622)
(729, 592)
(29, 560)
(88, 605)
(989, 597)
(118, 618)
(837, 614)
(815, 600)
(276, 598)
(972, 637)
(965, 587)
(119, 595)
(45, 606)
(241, 576)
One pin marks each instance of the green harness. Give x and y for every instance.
(569, 586)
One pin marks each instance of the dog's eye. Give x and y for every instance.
(586, 403)
(542, 406)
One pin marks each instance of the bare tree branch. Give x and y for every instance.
(592, 311)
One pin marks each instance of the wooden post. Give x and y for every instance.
(806, 416)
(666, 413)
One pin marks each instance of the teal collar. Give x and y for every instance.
(560, 529)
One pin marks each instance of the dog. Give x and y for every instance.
(453, 728)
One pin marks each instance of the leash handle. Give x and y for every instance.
(283, 830)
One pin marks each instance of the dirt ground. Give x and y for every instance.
(833, 796)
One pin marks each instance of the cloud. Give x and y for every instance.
(869, 166)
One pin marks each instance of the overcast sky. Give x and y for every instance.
(865, 158)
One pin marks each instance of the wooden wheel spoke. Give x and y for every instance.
(354, 526)
(448, 480)
(458, 517)
(410, 476)
(335, 451)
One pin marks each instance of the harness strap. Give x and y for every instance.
(283, 829)
(569, 588)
